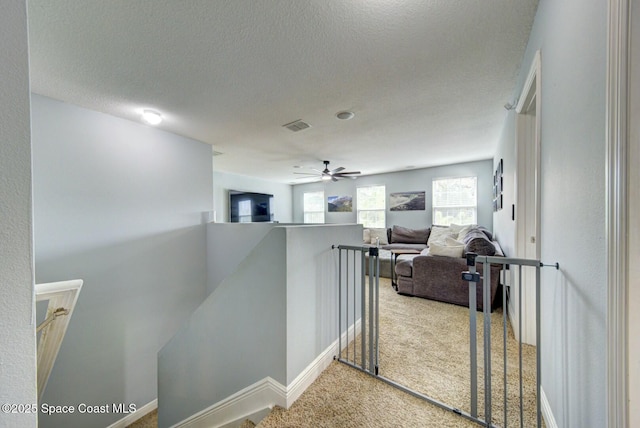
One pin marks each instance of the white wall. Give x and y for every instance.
(571, 36)
(404, 181)
(17, 331)
(119, 205)
(223, 182)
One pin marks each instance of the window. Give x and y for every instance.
(244, 211)
(313, 207)
(455, 200)
(371, 203)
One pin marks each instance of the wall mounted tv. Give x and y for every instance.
(250, 207)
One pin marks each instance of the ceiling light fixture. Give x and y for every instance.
(151, 117)
(345, 115)
(326, 177)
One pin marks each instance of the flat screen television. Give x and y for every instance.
(250, 207)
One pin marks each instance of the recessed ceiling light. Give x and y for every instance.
(345, 115)
(151, 117)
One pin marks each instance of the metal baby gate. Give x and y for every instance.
(359, 329)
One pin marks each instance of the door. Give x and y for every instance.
(527, 210)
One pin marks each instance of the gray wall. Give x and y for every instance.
(227, 245)
(119, 205)
(234, 339)
(272, 316)
(223, 182)
(413, 180)
(572, 38)
(312, 295)
(17, 332)
(503, 226)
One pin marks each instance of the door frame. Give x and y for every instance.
(617, 214)
(528, 134)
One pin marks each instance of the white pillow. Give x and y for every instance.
(455, 228)
(464, 230)
(438, 234)
(379, 233)
(450, 242)
(437, 249)
(366, 236)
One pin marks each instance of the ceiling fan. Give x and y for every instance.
(333, 175)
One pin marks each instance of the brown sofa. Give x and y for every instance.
(440, 278)
(395, 238)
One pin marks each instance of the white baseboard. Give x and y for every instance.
(138, 414)
(317, 366)
(261, 395)
(264, 394)
(547, 414)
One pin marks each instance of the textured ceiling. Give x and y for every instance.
(427, 79)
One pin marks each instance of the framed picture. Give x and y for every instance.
(498, 186)
(407, 201)
(340, 204)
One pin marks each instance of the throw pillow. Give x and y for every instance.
(451, 242)
(438, 234)
(405, 235)
(455, 228)
(465, 230)
(379, 233)
(437, 249)
(366, 236)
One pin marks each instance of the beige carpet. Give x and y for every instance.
(425, 346)
(148, 421)
(343, 397)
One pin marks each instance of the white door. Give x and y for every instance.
(522, 305)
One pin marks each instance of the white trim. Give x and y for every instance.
(138, 414)
(528, 135)
(526, 95)
(616, 212)
(547, 414)
(264, 394)
(313, 370)
(310, 374)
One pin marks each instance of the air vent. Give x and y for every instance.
(297, 125)
(216, 153)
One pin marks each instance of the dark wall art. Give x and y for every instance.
(407, 201)
(498, 184)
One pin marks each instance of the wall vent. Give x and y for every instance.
(297, 125)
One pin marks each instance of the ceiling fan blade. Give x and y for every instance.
(333, 178)
(306, 173)
(337, 170)
(348, 172)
